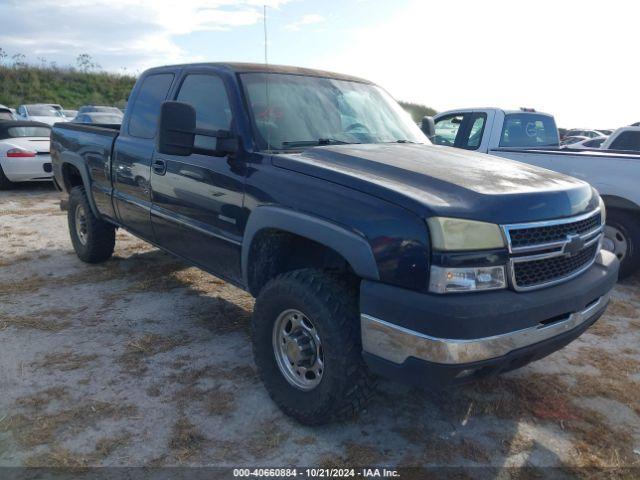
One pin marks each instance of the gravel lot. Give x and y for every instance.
(143, 360)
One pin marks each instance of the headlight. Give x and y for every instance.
(447, 280)
(458, 234)
(603, 211)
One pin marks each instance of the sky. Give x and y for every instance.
(575, 59)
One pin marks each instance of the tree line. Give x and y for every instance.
(84, 83)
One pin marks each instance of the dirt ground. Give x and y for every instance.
(143, 360)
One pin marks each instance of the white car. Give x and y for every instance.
(589, 143)
(24, 152)
(625, 138)
(6, 113)
(583, 132)
(41, 112)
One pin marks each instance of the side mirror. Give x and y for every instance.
(177, 128)
(428, 127)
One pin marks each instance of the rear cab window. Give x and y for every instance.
(145, 110)
(528, 130)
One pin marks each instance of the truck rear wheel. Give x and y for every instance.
(5, 183)
(93, 239)
(307, 346)
(622, 237)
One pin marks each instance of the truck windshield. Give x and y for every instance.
(296, 111)
(527, 130)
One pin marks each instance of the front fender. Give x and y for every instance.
(352, 246)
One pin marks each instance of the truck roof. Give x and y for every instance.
(265, 68)
(495, 109)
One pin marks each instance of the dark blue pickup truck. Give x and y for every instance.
(369, 250)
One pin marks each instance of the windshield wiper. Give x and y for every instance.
(402, 140)
(312, 143)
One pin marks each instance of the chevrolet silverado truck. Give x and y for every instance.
(532, 137)
(369, 250)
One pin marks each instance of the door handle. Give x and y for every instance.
(159, 166)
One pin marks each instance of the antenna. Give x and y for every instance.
(266, 77)
(264, 22)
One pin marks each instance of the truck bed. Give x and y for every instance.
(88, 147)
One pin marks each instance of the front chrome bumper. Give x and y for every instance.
(395, 343)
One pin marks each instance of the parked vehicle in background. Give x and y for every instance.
(606, 132)
(56, 106)
(578, 132)
(99, 108)
(567, 141)
(532, 137)
(70, 114)
(24, 152)
(40, 112)
(6, 113)
(589, 143)
(99, 118)
(625, 138)
(364, 244)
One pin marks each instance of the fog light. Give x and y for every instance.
(445, 280)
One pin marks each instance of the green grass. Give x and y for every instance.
(66, 86)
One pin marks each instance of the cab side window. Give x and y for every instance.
(474, 137)
(146, 107)
(447, 129)
(208, 95)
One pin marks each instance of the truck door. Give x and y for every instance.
(197, 199)
(133, 152)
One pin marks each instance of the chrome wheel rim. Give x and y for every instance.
(298, 350)
(615, 241)
(81, 224)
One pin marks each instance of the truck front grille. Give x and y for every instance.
(524, 237)
(536, 272)
(546, 253)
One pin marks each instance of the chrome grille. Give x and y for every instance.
(546, 253)
(524, 237)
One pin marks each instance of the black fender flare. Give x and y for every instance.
(352, 246)
(79, 163)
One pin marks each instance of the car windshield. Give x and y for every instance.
(43, 111)
(6, 115)
(527, 130)
(296, 111)
(17, 132)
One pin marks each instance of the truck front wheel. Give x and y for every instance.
(622, 237)
(307, 347)
(93, 239)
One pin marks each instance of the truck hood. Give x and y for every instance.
(432, 180)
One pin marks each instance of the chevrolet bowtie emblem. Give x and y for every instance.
(574, 245)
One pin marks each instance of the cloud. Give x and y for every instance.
(309, 19)
(119, 33)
